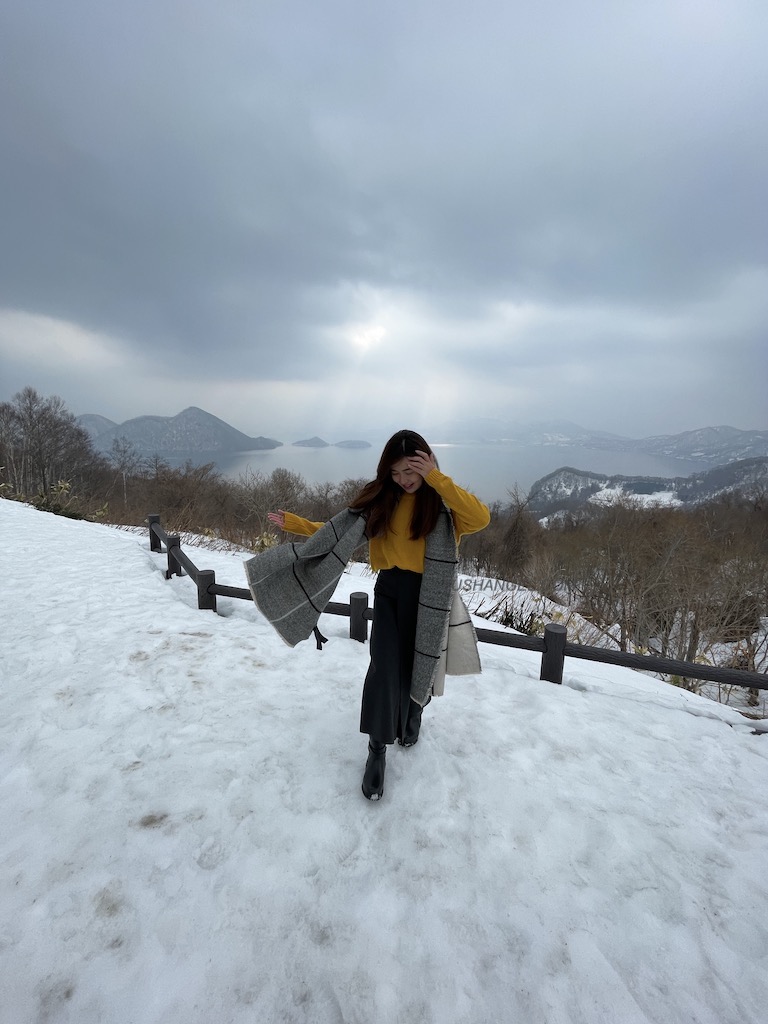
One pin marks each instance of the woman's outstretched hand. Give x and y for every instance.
(278, 518)
(422, 463)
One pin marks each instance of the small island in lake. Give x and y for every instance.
(318, 442)
(312, 442)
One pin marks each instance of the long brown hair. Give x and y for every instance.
(378, 499)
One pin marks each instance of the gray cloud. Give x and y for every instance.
(245, 192)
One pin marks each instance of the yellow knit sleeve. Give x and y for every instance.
(470, 515)
(304, 527)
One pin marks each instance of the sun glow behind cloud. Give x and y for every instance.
(364, 337)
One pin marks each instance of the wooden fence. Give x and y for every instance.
(553, 646)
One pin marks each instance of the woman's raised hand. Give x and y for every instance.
(278, 518)
(422, 463)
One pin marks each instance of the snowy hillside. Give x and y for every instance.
(184, 838)
(570, 489)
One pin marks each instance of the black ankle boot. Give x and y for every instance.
(373, 777)
(412, 725)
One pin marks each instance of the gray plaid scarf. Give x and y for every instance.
(292, 584)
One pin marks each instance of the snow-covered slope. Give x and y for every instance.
(184, 840)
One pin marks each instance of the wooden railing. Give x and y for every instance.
(553, 646)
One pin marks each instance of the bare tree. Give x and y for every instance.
(127, 460)
(42, 443)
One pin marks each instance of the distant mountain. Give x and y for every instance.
(191, 431)
(95, 425)
(352, 444)
(713, 445)
(484, 430)
(569, 489)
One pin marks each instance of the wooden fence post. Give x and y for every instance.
(553, 657)
(358, 624)
(174, 567)
(205, 599)
(154, 540)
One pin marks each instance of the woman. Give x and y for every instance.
(402, 510)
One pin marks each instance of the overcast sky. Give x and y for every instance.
(331, 214)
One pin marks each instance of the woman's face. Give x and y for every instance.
(406, 477)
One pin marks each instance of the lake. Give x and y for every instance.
(489, 471)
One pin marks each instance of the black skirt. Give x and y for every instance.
(387, 686)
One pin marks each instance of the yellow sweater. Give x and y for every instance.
(396, 548)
